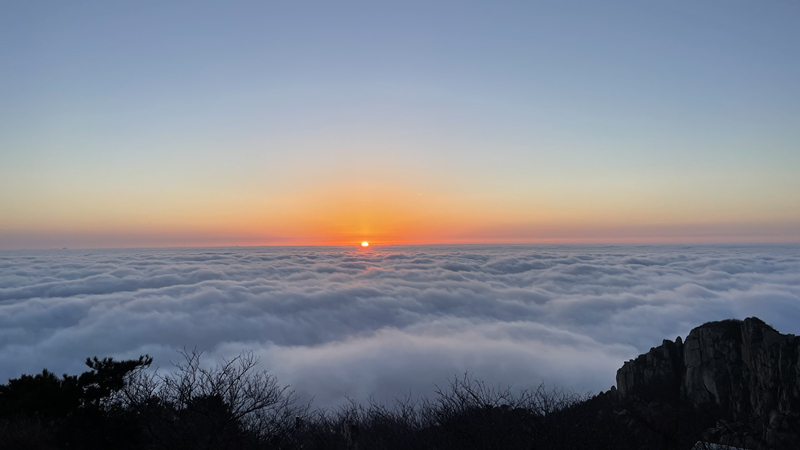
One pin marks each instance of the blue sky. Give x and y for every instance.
(233, 122)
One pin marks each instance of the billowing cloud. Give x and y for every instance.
(337, 322)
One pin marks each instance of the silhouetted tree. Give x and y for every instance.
(75, 411)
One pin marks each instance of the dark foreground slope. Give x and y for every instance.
(734, 382)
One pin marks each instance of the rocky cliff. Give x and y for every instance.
(744, 374)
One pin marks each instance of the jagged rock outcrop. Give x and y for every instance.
(745, 374)
(655, 374)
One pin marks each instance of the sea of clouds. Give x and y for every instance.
(339, 322)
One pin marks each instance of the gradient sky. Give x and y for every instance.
(151, 123)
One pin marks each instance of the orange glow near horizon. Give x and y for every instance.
(344, 212)
(531, 233)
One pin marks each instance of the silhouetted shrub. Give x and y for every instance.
(228, 406)
(233, 406)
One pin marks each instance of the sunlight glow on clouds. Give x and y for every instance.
(338, 322)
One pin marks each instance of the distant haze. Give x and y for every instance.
(348, 322)
(208, 123)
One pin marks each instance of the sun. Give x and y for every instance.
(365, 244)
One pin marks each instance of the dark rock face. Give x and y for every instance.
(744, 374)
(655, 374)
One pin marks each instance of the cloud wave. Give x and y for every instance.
(337, 322)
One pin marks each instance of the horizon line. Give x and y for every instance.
(460, 244)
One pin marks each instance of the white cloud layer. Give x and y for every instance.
(337, 322)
